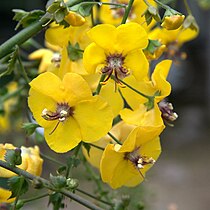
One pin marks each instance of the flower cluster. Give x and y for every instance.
(96, 85)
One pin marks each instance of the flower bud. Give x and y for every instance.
(74, 19)
(172, 22)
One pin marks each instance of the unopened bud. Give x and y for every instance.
(172, 22)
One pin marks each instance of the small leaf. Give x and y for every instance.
(73, 162)
(12, 61)
(84, 8)
(30, 128)
(87, 147)
(56, 199)
(74, 52)
(26, 18)
(58, 181)
(18, 185)
(4, 183)
(13, 156)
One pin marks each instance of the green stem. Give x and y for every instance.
(35, 198)
(162, 5)
(92, 196)
(98, 89)
(140, 93)
(114, 138)
(49, 186)
(127, 11)
(96, 146)
(12, 94)
(187, 7)
(51, 159)
(22, 36)
(23, 70)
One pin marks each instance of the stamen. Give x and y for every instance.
(63, 111)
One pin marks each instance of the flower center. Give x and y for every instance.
(63, 111)
(138, 161)
(114, 66)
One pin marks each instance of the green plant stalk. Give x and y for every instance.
(98, 89)
(92, 196)
(51, 159)
(49, 186)
(98, 147)
(140, 93)
(114, 138)
(187, 7)
(162, 5)
(127, 11)
(23, 71)
(22, 36)
(34, 198)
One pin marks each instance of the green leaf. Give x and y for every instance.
(4, 183)
(87, 147)
(58, 181)
(83, 8)
(26, 18)
(13, 156)
(73, 162)
(18, 185)
(74, 52)
(30, 128)
(56, 199)
(152, 46)
(11, 62)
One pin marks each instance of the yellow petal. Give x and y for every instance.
(75, 88)
(137, 63)
(130, 36)
(4, 196)
(104, 35)
(37, 102)
(94, 118)
(110, 159)
(112, 97)
(65, 137)
(92, 57)
(159, 79)
(48, 84)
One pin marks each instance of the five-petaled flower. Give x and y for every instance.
(127, 164)
(67, 110)
(117, 51)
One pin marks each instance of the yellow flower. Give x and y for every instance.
(142, 117)
(49, 59)
(172, 22)
(112, 15)
(120, 131)
(119, 55)
(31, 162)
(126, 165)
(173, 40)
(59, 36)
(74, 19)
(67, 110)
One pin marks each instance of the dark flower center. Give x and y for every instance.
(137, 160)
(114, 66)
(63, 111)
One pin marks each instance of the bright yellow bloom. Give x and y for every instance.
(158, 86)
(126, 165)
(120, 131)
(112, 15)
(142, 117)
(173, 22)
(74, 19)
(173, 40)
(119, 56)
(49, 59)
(59, 36)
(31, 162)
(67, 111)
